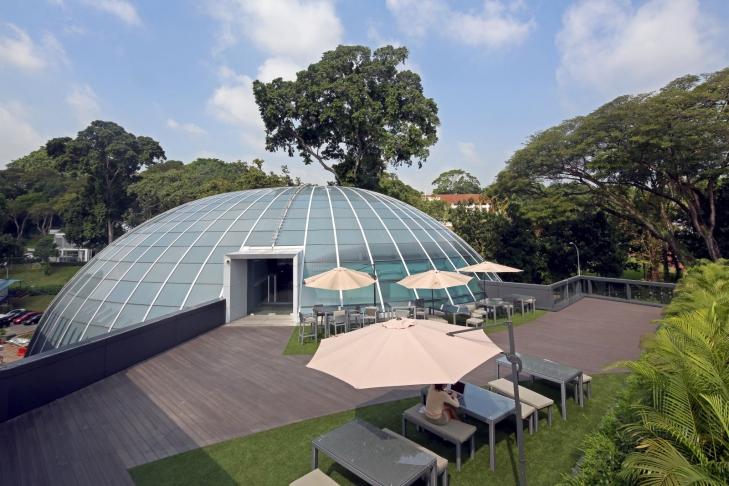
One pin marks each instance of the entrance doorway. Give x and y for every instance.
(272, 291)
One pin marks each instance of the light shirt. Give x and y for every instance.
(435, 400)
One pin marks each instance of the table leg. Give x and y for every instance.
(562, 387)
(314, 457)
(492, 446)
(582, 394)
(498, 371)
(434, 475)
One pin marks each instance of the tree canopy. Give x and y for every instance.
(355, 112)
(456, 181)
(108, 158)
(645, 158)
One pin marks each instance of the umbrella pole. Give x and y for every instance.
(515, 369)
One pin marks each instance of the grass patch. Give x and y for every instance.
(38, 303)
(309, 347)
(31, 276)
(278, 456)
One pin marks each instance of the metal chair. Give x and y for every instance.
(369, 316)
(419, 309)
(339, 319)
(307, 328)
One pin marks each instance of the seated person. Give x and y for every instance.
(440, 405)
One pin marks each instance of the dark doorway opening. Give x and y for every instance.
(271, 286)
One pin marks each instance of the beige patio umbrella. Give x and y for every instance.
(490, 267)
(339, 278)
(434, 279)
(402, 352)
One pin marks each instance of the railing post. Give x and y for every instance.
(627, 291)
(589, 286)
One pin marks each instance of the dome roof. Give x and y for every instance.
(175, 260)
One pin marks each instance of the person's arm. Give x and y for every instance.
(451, 399)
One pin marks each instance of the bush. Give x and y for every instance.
(21, 290)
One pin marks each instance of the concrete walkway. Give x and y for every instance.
(233, 381)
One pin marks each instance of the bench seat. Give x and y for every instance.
(441, 463)
(455, 431)
(526, 396)
(315, 478)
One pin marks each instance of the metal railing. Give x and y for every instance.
(561, 294)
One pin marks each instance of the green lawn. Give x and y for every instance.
(38, 303)
(278, 456)
(309, 347)
(34, 276)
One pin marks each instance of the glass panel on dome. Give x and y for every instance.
(152, 254)
(102, 289)
(136, 271)
(106, 314)
(160, 311)
(208, 238)
(159, 272)
(145, 293)
(260, 238)
(290, 238)
(233, 238)
(172, 294)
(212, 273)
(118, 271)
(121, 292)
(185, 272)
(130, 315)
(203, 293)
(172, 254)
(195, 254)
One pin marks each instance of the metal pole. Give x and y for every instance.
(515, 361)
(515, 369)
(579, 271)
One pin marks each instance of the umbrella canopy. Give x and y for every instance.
(339, 278)
(489, 267)
(402, 352)
(434, 279)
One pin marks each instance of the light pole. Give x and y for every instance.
(579, 272)
(515, 361)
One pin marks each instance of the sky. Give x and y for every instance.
(181, 71)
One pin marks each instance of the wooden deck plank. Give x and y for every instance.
(234, 381)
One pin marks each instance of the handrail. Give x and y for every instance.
(563, 293)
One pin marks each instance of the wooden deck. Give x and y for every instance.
(234, 381)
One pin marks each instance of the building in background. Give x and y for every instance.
(67, 251)
(470, 201)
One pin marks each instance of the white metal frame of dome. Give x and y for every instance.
(192, 254)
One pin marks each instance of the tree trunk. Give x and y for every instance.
(110, 230)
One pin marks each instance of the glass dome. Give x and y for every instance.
(175, 260)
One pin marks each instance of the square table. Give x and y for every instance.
(374, 456)
(524, 299)
(486, 406)
(550, 371)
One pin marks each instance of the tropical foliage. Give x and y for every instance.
(456, 181)
(678, 424)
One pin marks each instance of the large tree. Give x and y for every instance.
(645, 157)
(456, 181)
(355, 112)
(108, 158)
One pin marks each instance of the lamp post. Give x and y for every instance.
(579, 271)
(515, 361)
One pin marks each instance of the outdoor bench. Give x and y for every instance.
(455, 431)
(527, 396)
(441, 463)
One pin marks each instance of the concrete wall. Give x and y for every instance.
(42, 378)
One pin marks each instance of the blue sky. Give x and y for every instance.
(180, 71)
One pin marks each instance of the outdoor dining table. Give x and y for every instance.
(524, 299)
(486, 406)
(548, 370)
(494, 304)
(374, 456)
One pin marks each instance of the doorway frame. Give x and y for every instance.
(235, 276)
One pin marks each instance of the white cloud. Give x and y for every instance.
(18, 135)
(291, 33)
(17, 49)
(275, 67)
(496, 25)
(468, 151)
(122, 9)
(189, 128)
(614, 47)
(293, 29)
(84, 104)
(233, 103)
